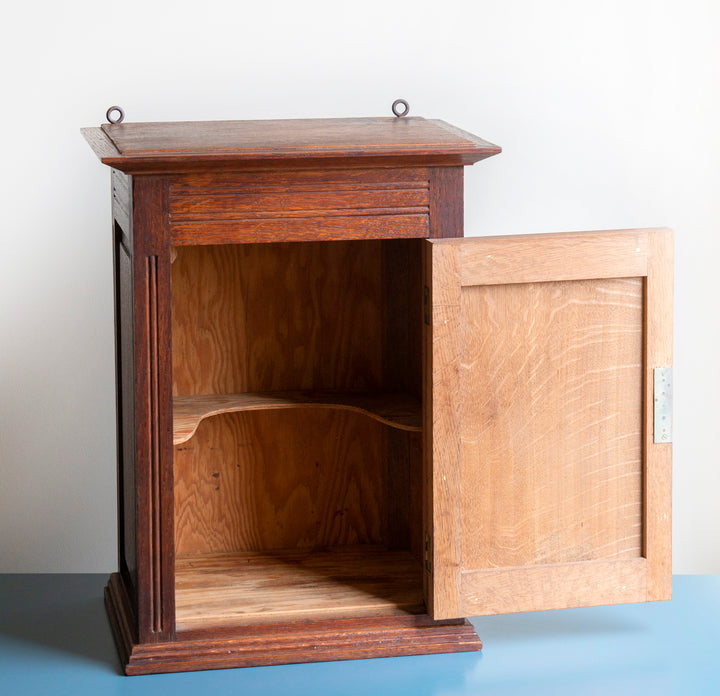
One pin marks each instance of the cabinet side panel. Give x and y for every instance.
(552, 434)
(127, 522)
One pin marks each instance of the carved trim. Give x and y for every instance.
(154, 446)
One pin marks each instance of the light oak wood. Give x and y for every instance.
(442, 483)
(249, 588)
(658, 471)
(551, 417)
(554, 451)
(563, 585)
(553, 257)
(396, 410)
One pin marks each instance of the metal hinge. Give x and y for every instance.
(426, 305)
(428, 565)
(662, 406)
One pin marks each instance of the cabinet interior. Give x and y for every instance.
(297, 388)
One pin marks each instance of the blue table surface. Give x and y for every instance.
(55, 639)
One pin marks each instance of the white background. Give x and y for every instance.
(607, 112)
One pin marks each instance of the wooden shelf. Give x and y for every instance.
(232, 589)
(396, 410)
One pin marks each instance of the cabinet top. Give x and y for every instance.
(203, 145)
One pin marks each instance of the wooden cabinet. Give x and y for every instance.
(342, 428)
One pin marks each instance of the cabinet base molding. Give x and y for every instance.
(286, 643)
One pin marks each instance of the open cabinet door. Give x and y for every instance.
(548, 477)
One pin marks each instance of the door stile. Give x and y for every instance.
(658, 462)
(441, 430)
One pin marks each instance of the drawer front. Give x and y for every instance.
(245, 207)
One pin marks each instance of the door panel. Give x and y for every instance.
(545, 490)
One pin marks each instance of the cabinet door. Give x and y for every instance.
(545, 486)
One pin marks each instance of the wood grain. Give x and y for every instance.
(199, 184)
(658, 474)
(122, 205)
(377, 224)
(153, 410)
(442, 432)
(277, 317)
(402, 371)
(300, 202)
(101, 144)
(283, 643)
(181, 146)
(271, 206)
(264, 480)
(446, 202)
(558, 495)
(125, 414)
(551, 440)
(250, 588)
(263, 317)
(554, 257)
(533, 588)
(396, 410)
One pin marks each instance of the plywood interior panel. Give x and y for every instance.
(266, 317)
(279, 479)
(551, 445)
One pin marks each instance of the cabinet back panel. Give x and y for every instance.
(552, 465)
(278, 480)
(260, 317)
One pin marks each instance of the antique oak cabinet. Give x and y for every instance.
(342, 428)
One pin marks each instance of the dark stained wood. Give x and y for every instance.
(153, 410)
(120, 604)
(380, 224)
(292, 644)
(199, 184)
(305, 206)
(125, 402)
(233, 206)
(196, 218)
(122, 206)
(182, 146)
(446, 202)
(284, 643)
